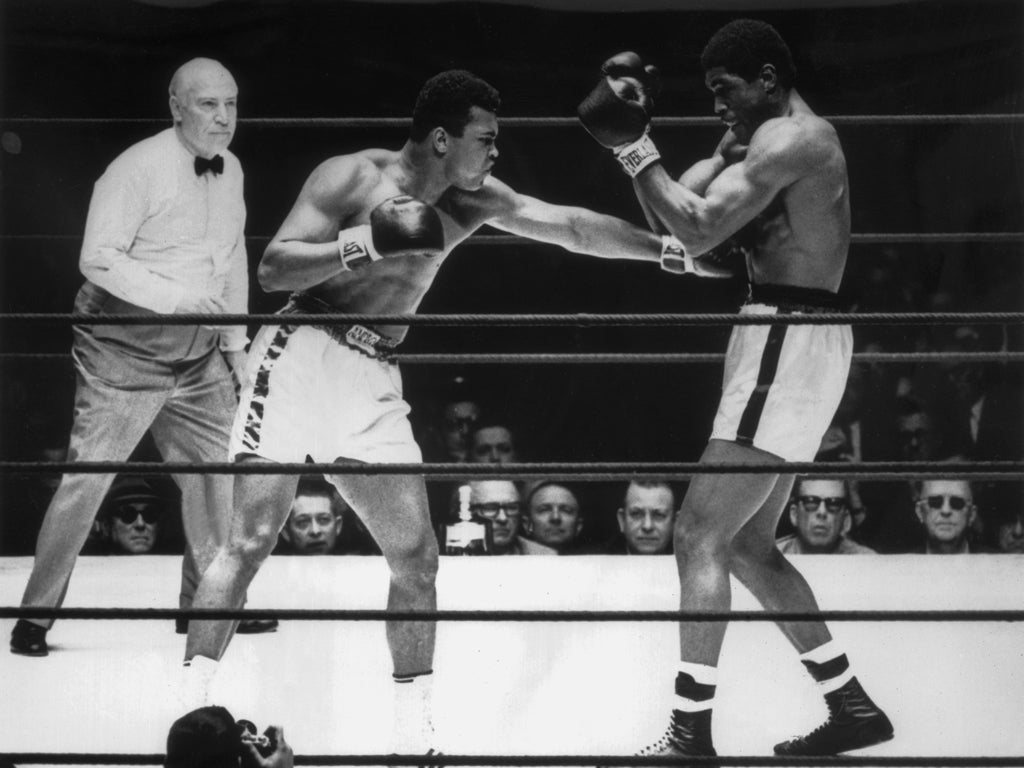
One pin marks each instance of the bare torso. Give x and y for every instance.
(397, 285)
(802, 237)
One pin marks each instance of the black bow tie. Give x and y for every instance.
(215, 164)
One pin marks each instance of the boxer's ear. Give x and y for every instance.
(439, 140)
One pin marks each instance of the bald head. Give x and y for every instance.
(196, 73)
(203, 99)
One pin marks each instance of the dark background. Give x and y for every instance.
(111, 60)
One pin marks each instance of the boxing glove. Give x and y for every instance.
(617, 112)
(724, 260)
(400, 226)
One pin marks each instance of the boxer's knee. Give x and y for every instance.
(749, 546)
(414, 561)
(699, 535)
(250, 550)
(749, 557)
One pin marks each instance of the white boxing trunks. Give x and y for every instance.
(324, 393)
(783, 383)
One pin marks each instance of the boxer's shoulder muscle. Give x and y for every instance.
(472, 208)
(344, 181)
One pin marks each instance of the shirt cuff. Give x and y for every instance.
(165, 301)
(233, 338)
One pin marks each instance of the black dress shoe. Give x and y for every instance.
(29, 639)
(256, 626)
(245, 627)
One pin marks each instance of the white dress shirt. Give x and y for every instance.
(157, 232)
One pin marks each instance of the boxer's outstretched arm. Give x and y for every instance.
(576, 229)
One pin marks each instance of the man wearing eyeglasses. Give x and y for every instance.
(946, 510)
(820, 513)
(131, 520)
(499, 501)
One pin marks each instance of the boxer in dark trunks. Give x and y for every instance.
(780, 174)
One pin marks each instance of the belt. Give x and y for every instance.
(794, 298)
(358, 337)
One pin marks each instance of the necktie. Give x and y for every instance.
(215, 164)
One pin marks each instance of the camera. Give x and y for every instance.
(264, 742)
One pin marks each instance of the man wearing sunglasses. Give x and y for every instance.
(820, 513)
(130, 521)
(946, 511)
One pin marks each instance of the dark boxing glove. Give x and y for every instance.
(401, 226)
(617, 113)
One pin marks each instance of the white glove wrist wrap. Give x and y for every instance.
(355, 247)
(674, 257)
(638, 155)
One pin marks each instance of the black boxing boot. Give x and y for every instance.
(854, 722)
(688, 735)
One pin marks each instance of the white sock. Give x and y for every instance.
(413, 731)
(197, 678)
(828, 665)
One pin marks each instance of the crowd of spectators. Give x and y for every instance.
(960, 409)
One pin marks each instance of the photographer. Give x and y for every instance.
(209, 737)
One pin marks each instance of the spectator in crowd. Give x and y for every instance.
(986, 411)
(316, 519)
(492, 442)
(210, 737)
(860, 430)
(499, 502)
(891, 525)
(946, 510)
(459, 417)
(919, 433)
(164, 235)
(451, 414)
(131, 520)
(646, 519)
(820, 514)
(1009, 531)
(987, 408)
(446, 438)
(553, 517)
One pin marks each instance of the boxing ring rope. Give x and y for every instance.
(532, 319)
(114, 758)
(326, 614)
(994, 118)
(560, 358)
(598, 471)
(856, 238)
(581, 470)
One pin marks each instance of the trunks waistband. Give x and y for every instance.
(358, 337)
(793, 298)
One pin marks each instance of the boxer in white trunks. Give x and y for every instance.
(777, 183)
(367, 235)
